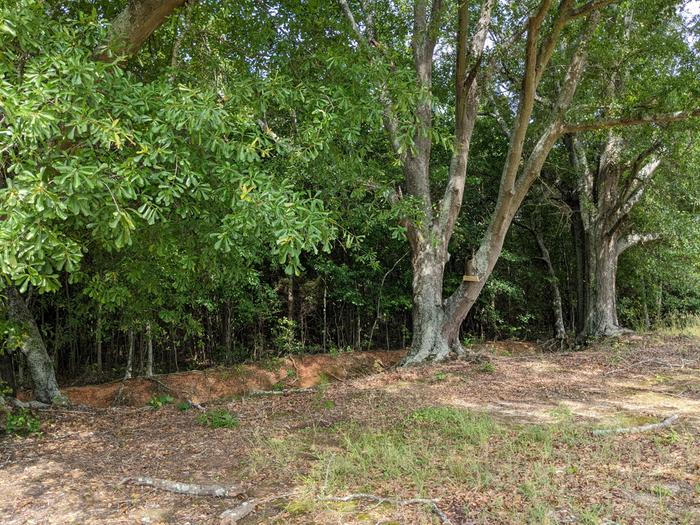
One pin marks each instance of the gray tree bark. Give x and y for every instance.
(32, 346)
(130, 356)
(134, 24)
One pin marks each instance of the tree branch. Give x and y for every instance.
(589, 7)
(633, 239)
(134, 24)
(662, 118)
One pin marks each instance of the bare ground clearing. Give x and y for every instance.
(508, 442)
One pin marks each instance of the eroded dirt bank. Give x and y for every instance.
(203, 386)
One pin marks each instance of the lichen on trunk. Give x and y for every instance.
(31, 344)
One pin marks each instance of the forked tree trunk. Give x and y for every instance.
(606, 199)
(32, 346)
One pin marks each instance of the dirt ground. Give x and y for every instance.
(524, 452)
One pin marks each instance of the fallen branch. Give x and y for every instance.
(432, 503)
(234, 515)
(636, 430)
(280, 392)
(191, 489)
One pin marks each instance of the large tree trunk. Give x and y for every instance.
(605, 200)
(32, 346)
(600, 319)
(430, 340)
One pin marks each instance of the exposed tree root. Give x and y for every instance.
(191, 489)
(636, 430)
(395, 501)
(30, 404)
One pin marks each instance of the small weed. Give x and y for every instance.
(218, 419)
(160, 401)
(320, 401)
(440, 376)
(528, 490)
(487, 367)
(285, 337)
(278, 387)
(661, 491)
(22, 423)
(183, 406)
(671, 437)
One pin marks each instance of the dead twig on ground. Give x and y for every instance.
(432, 503)
(636, 430)
(234, 515)
(192, 489)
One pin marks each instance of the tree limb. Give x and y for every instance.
(632, 239)
(662, 118)
(134, 24)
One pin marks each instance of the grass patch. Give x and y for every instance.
(425, 447)
(463, 425)
(220, 418)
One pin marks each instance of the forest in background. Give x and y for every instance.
(260, 178)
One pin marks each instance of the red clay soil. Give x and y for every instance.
(203, 386)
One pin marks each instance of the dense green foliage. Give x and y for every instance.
(228, 189)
